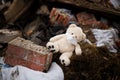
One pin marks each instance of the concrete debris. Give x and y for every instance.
(7, 35)
(27, 25)
(32, 27)
(17, 8)
(43, 10)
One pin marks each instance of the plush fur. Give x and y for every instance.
(67, 43)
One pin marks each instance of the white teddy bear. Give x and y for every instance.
(67, 43)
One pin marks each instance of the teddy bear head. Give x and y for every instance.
(76, 32)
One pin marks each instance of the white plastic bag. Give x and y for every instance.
(24, 73)
(106, 38)
(116, 4)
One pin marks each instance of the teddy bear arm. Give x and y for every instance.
(57, 37)
(78, 50)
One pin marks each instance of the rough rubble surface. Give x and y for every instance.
(95, 63)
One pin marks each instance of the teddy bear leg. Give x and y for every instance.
(65, 58)
(78, 50)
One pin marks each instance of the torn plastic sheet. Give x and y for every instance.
(116, 4)
(1, 60)
(3, 65)
(106, 38)
(24, 73)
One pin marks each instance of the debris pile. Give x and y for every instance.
(36, 21)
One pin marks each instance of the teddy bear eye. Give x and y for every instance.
(72, 33)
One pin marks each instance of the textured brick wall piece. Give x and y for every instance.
(26, 53)
(61, 17)
(85, 18)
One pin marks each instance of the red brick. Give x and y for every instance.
(53, 11)
(36, 58)
(102, 25)
(66, 21)
(86, 18)
(12, 60)
(61, 17)
(35, 66)
(15, 50)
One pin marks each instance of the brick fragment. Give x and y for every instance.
(61, 17)
(26, 53)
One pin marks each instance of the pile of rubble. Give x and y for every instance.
(25, 28)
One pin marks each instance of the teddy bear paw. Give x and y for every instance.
(65, 61)
(78, 53)
(52, 47)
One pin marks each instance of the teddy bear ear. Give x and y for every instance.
(72, 25)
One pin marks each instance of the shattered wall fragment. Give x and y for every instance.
(61, 17)
(7, 35)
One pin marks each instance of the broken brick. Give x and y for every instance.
(34, 66)
(26, 53)
(12, 60)
(86, 19)
(61, 17)
(37, 58)
(102, 25)
(15, 50)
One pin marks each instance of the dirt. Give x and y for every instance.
(93, 64)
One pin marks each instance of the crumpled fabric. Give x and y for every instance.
(23, 73)
(106, 38)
